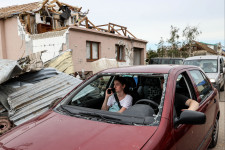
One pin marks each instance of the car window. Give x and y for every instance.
(92, 91)
(203, 85)
(165, 61)
(208, 65)
(184, 91)
(177, 61)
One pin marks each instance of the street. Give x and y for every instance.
(221, 141)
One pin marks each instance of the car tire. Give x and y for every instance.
(215, 134)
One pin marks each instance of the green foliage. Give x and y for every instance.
(151, 54)
(161, 50)
(172, 49)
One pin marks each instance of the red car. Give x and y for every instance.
(151, 122)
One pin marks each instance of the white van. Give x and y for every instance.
(213, 65)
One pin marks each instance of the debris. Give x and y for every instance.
(5, 125)
(25, 96)
(31, 62)
(8, 69)
(62, 63)
(103, 63)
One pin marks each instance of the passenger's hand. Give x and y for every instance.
(106, 93)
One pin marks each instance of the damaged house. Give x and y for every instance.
(53, 27)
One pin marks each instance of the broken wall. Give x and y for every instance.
(52, 42)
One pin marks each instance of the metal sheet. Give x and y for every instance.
(8, 69)
(25, 103)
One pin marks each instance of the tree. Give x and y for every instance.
(190, 34)
(161, 50)
(173, 48)
(151, 54)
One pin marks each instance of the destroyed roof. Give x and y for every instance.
(201, 46)
(58, 13)
(205, 47)
(17, 9)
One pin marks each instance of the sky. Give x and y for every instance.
(152, 19)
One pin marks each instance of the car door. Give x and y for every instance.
(221, 73)
(186, 137)
(208, 100)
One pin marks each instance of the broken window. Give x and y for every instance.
(92, 51)
(120, 52)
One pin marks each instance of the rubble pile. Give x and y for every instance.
(26, 95)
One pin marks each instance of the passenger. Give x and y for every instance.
(182, 102)
(125, 100)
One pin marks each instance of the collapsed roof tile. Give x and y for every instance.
(18, 9)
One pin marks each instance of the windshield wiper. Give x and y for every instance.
(105, 118)
(97, 116)
(69, 112)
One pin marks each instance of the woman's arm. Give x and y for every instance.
(122, 110)
(104, 105)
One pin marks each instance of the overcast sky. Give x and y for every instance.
(151, 19)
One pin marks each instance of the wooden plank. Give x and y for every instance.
(43, 4)
(58, 3)
(50, 6)
(115, 30)
(103, 29)
(79, 9)
(53, 1)
(124, 33)
(86, 23)
(78, 24)
(117, 25)
(102, 25)
(28, 23)
(59, 29)
(131, 34)
(93, 25)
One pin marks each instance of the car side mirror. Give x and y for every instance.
(191, 117)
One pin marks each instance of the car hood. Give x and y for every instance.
(56, 131)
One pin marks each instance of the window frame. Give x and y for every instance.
(118, 53)
(91, 51)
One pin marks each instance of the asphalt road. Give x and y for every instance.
(221, 140)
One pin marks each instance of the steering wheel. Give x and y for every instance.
(148, 101)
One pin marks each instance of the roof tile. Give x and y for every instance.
(17, 9)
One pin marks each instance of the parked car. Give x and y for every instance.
(213, 66)
(76, 122)
(166, 60)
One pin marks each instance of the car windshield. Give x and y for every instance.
(208, 65)
(147, 92)
(166, 61)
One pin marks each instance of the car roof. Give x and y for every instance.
(168, 58)
(203, 57)
(146, 69)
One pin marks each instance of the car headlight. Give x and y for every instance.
(212, 80)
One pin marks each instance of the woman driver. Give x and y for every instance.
(125, 100)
